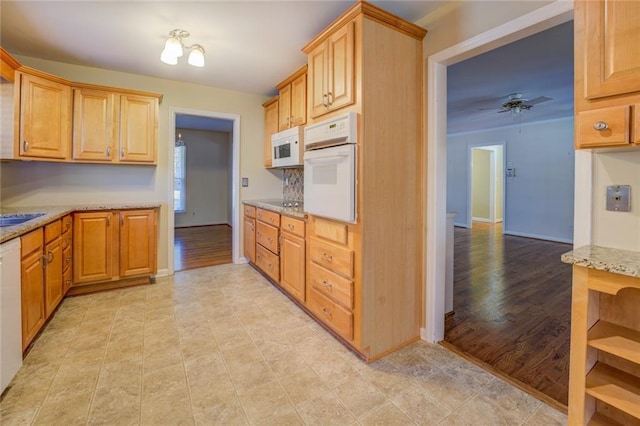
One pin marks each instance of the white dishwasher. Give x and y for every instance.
(10, 312)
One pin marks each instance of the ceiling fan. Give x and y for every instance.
(516, 103)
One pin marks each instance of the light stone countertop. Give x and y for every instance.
(623, 262)
(52, 213)
(276, 205)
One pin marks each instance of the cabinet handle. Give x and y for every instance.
(68, 259)
(67, 240)
(600, 125)
(327, 285)
(288, 121)
(291, 227)
(108, 151)
(330, 98)
(109, 220)
(326, 312)
(122, 220)
(25, 146)
(49, 254)
(121, 152)
(325, 100)
(327, 257)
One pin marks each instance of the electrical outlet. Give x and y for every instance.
(245, 182)
(619, 198)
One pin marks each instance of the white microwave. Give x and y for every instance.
(287, 148)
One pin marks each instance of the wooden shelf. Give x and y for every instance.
(616, 340)
(602, 420)
(615, 387)
(609, 282)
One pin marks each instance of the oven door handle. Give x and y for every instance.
(327, 160)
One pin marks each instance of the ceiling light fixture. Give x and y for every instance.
(173, 49)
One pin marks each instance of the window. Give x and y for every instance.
(179, 175)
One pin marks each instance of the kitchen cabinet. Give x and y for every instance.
(331, 70)
(292, 100)
(607, 73)
(138, 129)
(604, 382)
(267, 247)
(8, 67)
(292, 257)
(110, 247)
(53, 260)
(271, 108)
(249, 233)
(67, 253)
(44, 125)
(32, 285)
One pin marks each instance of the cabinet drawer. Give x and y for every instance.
(267, 236)
(67, 280)
(67, 239)
(249, 211)
(616, 121)
(338, 288)
(268, 262)
(294, 226)
(67, 223)
(52, 231)
(329, 312)
(31, 242)
(334, 258)
(332, 231)
(268, 217)
(67, 258)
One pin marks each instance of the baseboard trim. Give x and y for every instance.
(162, 273)
(538, 237)
(481, 219)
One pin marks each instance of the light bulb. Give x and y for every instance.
(173, 46)
(168, 58)
(196, 57)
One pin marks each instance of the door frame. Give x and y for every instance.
(494, 163)
(436, 149)
(235, 179)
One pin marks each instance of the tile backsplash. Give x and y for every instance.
(293, 184)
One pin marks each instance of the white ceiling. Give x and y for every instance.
(253, 45)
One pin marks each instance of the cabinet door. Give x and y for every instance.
(249, 239)
(292, 265)
(340, 68)
(138, 129)
(284, 108)
(95, 127)
(271, 109)
(53, 276)
(612, 37)
(298, 106)
(317, 71)
(45, 118)
(94, 240)
(32, 285)
(138, 242)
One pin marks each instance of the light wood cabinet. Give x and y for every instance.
(604, 384)
(607, 73)
(292, 257)
(95, 125)
(267, 246)
(67, 253)
(138, 129)
(44, 125)
(331, 71)
(292, 100)
(111, 246)
(271, 109)
(53, 258)
(32, 285)
(249, 233)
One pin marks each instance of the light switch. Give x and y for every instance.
(619, 198)
(245, 182)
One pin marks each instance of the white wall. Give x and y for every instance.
(616, 229)
(37, 183)
(207, 181)
(539, 199)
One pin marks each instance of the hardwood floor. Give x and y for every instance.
(512, 306)
(200, 246)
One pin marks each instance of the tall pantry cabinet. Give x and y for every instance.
(370, 62)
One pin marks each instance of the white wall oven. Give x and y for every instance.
(330, 168)
(286, 148)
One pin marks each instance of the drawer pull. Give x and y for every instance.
(327, 285)
(67, 240)
(68, 259)
(326, 312)
(327, 257)
(600, 125)
(291, 227)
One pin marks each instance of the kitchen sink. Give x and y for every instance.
(17, 219)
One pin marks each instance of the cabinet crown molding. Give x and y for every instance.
(292, 77)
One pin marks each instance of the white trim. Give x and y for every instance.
(540, 19)
(538, 236)
(235, 184)
(162, 273)
(482, 219)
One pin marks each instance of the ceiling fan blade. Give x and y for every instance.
(539, 100)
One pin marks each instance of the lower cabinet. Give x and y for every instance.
(52, 266)
(267, 247)
(112, 245)
(292, 257)
(249, 233)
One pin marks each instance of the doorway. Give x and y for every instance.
(486, 174)
(203, 125)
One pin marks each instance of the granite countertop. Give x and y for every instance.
(52, 213)
(278, 206)
(623, 262)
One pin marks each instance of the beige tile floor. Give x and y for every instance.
(221, 345)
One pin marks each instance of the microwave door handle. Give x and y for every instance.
(326, 160)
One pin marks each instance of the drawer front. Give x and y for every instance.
(31, 242)
(614, 123)
(331, 313)
(266, 216)
(334, 258)
(249, 211)
(268, 262)
(67, 238)
(67, 280)
(67, 258)
(294, 226)
(338, 288)
(67, 223)
(52, 231)
(267, 236)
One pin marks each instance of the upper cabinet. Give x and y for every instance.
(95, 127)
(292, 99)
(44, 124)
(607, 73)
(271, 108)
(138, 129)
(331, 70)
